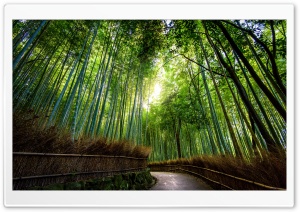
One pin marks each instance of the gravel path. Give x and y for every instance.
(178, 181)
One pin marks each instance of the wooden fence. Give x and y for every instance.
(41, 169)
(219, 180)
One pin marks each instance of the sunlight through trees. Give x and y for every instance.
(182, 87)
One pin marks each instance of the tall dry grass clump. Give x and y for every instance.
(268, 170)
(28, 136)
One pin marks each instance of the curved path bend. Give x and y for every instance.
(178, 181)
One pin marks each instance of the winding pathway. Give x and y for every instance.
(178, 181)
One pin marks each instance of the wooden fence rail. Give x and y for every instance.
(41, 169)
(223, 180)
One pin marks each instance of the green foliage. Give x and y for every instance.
(97, 79)
(129, 181)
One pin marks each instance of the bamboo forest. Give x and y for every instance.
(171, 90)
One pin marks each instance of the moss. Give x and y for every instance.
(149, 178)
(73, 186)
(126, 177)
(107, 184)
(132, 177)
(49, 187)
(117, 181)
(124, 185)
(129, 181)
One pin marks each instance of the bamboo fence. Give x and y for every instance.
(41, 169)
(219, 179)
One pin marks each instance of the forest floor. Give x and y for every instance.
(178, 181)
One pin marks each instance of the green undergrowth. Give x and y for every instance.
(129, 181)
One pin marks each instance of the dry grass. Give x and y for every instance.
(269, 170)
(28, 137)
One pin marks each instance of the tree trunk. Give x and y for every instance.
(270, 55)
(231, 131)
(29, 42)
(269, 95)
(265, 134)
(177, 137)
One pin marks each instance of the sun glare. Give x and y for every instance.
(154, 95)
(157, 90)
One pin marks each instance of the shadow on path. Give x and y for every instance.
(178, 181)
